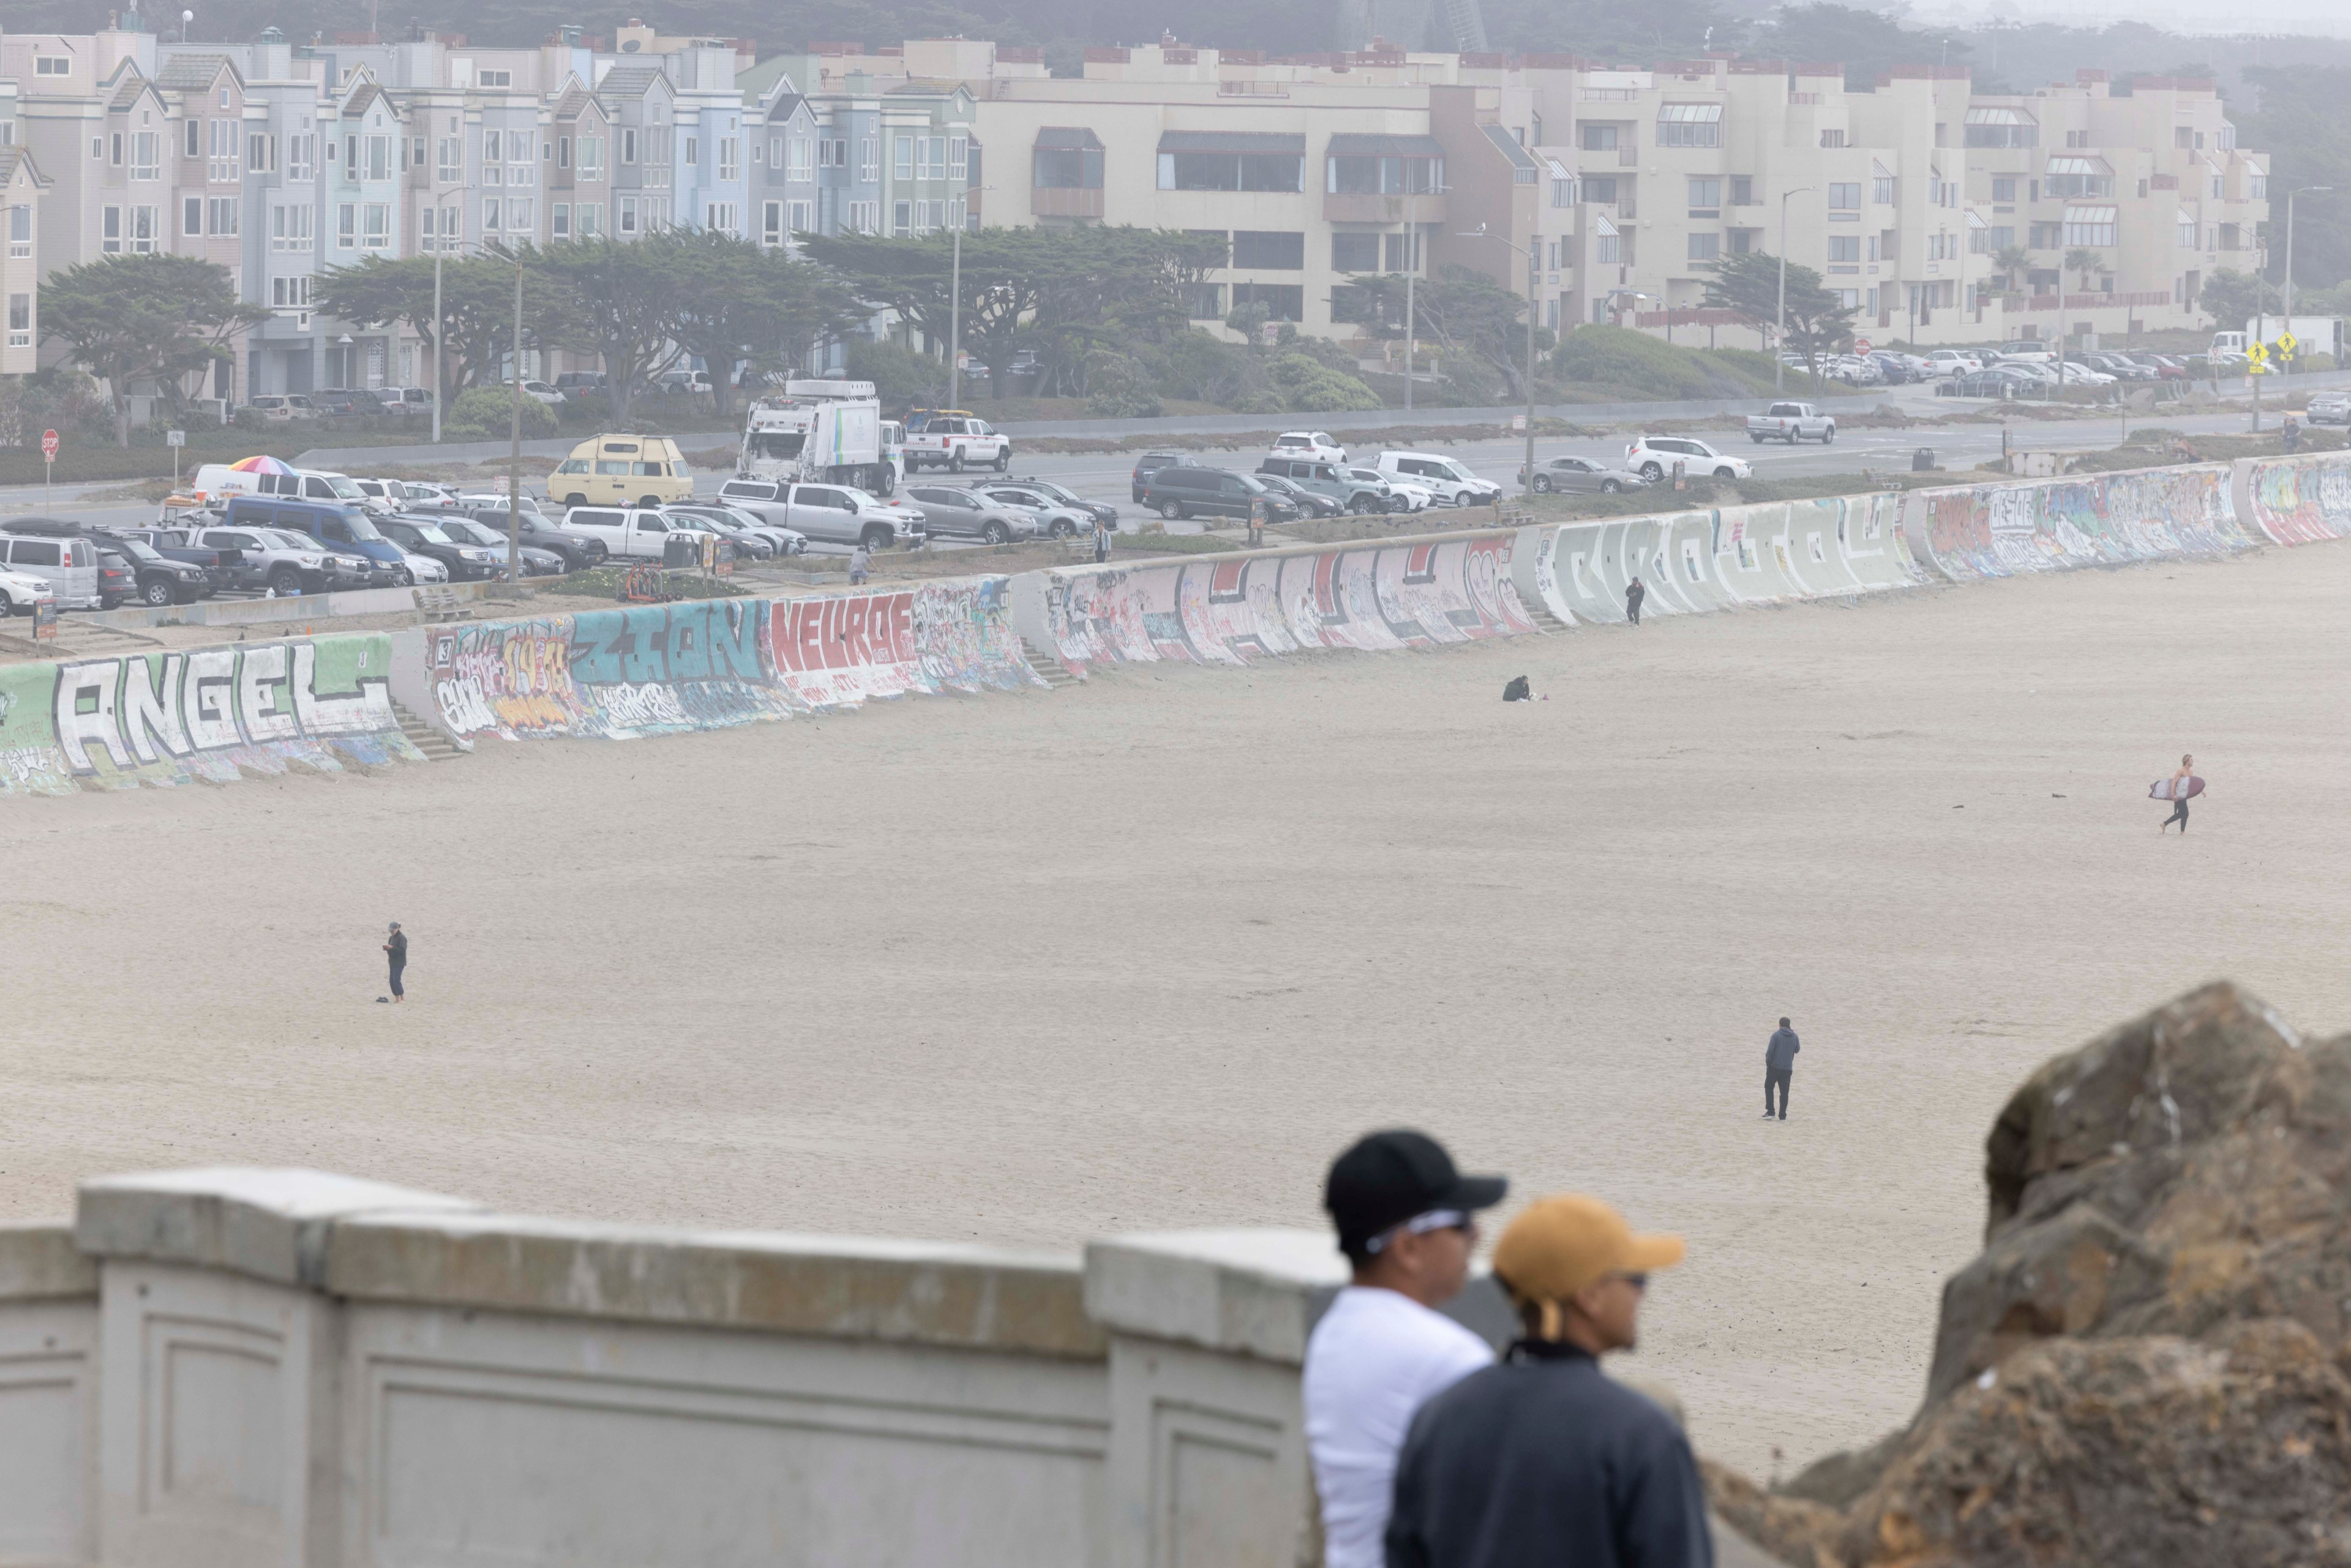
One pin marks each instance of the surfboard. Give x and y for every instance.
(2161, 790)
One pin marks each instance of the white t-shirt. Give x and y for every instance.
(1371, 1362)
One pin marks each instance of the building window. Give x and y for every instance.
(1832, 138)
(449, 161)
(902, 218)
(558, 220)
(1269, 250)
(627, 214)
(771, 223)
(2003, 188)
(114, 142)
(144, 230)
(1204, 302)
(494, 213)
(144, 153)
(109, 231)
(1706, 198)
(1881, 190)
(1403, 252)
(378, 157)
(1742, 190)
(958, 157)
(192, 215)
(52, 65)
(290, 293)
(261, 154)
(692, 151)
(1742, 241)
(220, 165)
(377, 233)
(1354, 176)
(1844, 252)
(20, 231)
(1232, 172)
(868, 160)
(2187, 231)
(521, 220)
(194, 138)
(1689, 125)
(798, 152)
(301, 155)
(730, 157)
(905, 156)
(865, 217)
(20, 321)
(1608, 250)
(1283, 301)
(1845, 196)
(2091, 226)
(591, 215)
(628, 144)
(1066, 168)
(801, 216)
(1598, 138)
(1354, 252)
(1704, 247)
(723, 217)
(592, 158)
(493, 78)
(291, 228)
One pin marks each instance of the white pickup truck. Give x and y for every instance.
(1791, 422)
(634, 533)
(953, 439)
(829, 514)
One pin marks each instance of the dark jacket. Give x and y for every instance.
(1541, 1460)
(1635, 593)
(1781, 1054)
(398, 948)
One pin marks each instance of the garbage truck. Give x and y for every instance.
(821, 432)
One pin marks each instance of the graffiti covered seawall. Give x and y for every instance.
(713, 663)
(211, 713)
(1977, 531)
(1231, 610)
(2296, 500)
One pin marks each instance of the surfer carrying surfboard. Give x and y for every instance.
(2180, 793)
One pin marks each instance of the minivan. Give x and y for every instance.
(69, 565)
(1180, 490)
(622, 470)
(1327, 478)
(344, 526)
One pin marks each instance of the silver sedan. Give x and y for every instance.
(1580, 474)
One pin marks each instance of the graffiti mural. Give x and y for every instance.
(212, 714)
(2302, 500)
(1232, 609)
(839, 650)
(2058, 525)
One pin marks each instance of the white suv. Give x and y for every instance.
(1315, 444)
(20, 592)
(1442, 477)
(1653, 458)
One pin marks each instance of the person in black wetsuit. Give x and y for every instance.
(1633, 594)
(395, 949)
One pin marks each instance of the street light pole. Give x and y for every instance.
(2290, 196)
(440, 328)
(1411, 267)
(1780, 330)
(514, 472)
(1527, 479)
(955, 318)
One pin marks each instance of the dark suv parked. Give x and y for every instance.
(1186, 490)
(1150, 462)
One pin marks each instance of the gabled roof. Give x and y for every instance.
(367, 95)
(633, 81)
(13, 158)
(129, 88)
(787, 105)
(194, 73)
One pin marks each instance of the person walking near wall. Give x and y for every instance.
(1779, 1065)
(395, 949)
(1542, 1459)
(1633, 594)
(1406, 1223)
(859, 562)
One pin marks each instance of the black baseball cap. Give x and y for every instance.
(1389, 1177)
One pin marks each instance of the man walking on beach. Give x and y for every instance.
(395, 949)
(2179, 796)
(1633, 594)
(1779, 1062)
(1543, 1460)
(1405, 1221)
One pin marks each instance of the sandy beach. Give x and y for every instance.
(1145, 953)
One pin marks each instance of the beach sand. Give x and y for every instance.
(1147, 953)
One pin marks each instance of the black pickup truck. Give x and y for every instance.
(221, 567)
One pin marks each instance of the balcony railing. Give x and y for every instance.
(1064, 202)
(1359, 208)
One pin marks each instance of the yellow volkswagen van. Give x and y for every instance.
(621, 470)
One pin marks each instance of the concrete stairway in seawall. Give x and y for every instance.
(1055, 675)
(437, 744)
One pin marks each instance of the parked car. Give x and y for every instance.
(1064, 495)
(954, 439)
(1315, 444)
(116, 578)
(573, 381)
(536, 561)
(418, 535)
(395, 494)
(276, 406)
(2330, 407)
(622, 470)
(1058, 517)
(829, 514)
(949, 512)
(542, 392)
(1953, 361)
(158, 581)
(1149, 461)
(23, 592)
(633, 533)
(1998, 381)
(68, 564)
(341, 527)
(417, 568)
(1791, 422)
(1654, 456)
(336, 402)
(1184, 490)
(1334, 480)
(1404, 495)
(269, 563)
(1579, 475)
(2167, 367)
(538, 529)
(1302, 502)
(777, 540)
(2074, 374)
(746, 544)
(1446, 478)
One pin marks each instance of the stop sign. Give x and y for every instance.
(48, 446)
(1861, 345)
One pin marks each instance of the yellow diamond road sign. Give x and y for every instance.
(2287, 343)
(2257, 352)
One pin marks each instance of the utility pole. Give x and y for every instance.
(1411, 267)
(1780, 332)
(514, 470)
(440, 326)
(1528, 480)
(954, 325)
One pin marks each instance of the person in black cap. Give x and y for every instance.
(1406, 1222)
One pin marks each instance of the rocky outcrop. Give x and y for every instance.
(2147, 1361)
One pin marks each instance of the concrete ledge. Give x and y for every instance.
(906, 1292)
(263, 611)
(270, 1224)
(37, 1261)
(1255, 1293)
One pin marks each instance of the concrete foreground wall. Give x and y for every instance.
(218, 714)
(245, 1367)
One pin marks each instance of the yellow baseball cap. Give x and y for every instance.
(1558, 1245)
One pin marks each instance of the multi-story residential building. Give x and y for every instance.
(20, 285)
(783, 135)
